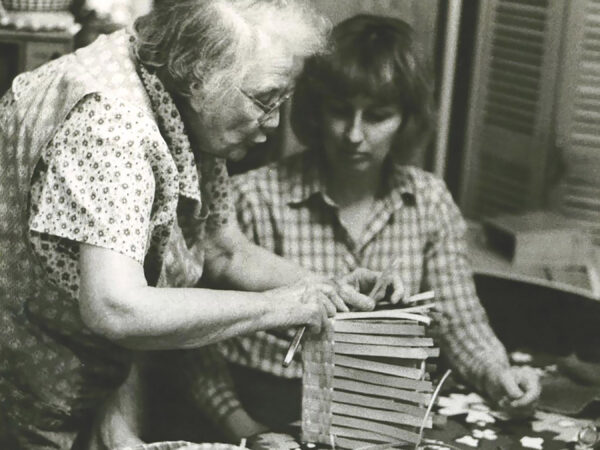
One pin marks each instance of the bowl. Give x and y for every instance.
(37, 5)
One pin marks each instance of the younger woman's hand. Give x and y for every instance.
(364, 280)
(516, 390)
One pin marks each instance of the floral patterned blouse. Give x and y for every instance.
(93, 150)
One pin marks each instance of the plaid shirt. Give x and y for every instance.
(284, 208)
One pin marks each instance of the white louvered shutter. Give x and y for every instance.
(578, 121)
(513, 91)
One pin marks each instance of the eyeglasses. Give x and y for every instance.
(267, 110)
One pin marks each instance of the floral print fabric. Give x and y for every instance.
(95, 185)
(117, 171)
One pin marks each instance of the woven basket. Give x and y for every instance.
(365, 383)
(37, 5)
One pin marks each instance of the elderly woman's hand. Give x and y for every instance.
(515, 389)
(318, 298)
(364, 280)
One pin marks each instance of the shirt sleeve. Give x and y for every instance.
(210, 383)
(466, 338)
(97, 185)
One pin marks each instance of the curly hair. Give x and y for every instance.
(213, 42)
(374, 56)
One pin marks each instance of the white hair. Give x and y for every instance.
(215, 42)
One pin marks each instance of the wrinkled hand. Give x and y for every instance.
(319, 298)
(516, 390)
(364, 280)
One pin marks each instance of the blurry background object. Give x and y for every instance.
(33, 32)
(532, 124)
(537, 238)
(37, 15)
(37, 5)
(119, 12)
(105, 16)
(491, 246)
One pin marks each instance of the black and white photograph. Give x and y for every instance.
(299, 224)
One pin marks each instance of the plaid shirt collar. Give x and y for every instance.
(306, 180)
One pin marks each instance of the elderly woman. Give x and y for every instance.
(109, 154)
(362, 110)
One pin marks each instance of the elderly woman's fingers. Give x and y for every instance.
(362, 279)
(332, 291)
(320, 315)
(329, 289)
(318, 295)
(316, 300)
(355, 299)
(323, 318)
(367, 282)
(376, 284)
(398, 289)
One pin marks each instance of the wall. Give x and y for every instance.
(422, 14)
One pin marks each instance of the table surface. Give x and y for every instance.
(471, 423)
(487, 262)
(546, 430)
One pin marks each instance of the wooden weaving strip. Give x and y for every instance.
(394, 341)
(349, 326)
(374, 366)
(391, 431)
(381, 379)
(381, 391)
(380, 415)
(342, 442)
(376, 402)
(345, 348)
(384, 314)
(357, 434)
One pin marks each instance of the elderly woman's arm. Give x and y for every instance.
(116, 302)
(235, 262)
